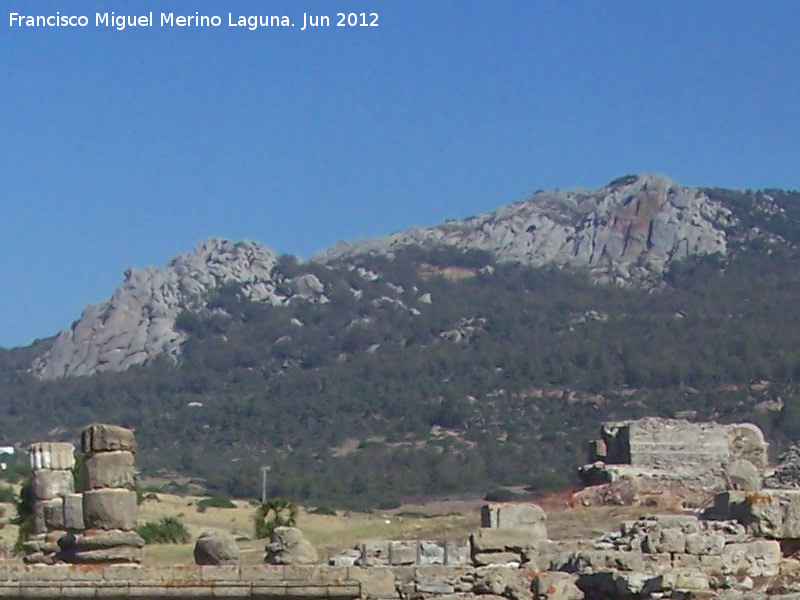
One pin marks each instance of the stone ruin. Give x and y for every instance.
(96, 525)
(743, 546)
(671, 462)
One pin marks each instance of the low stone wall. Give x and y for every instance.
(154, 583)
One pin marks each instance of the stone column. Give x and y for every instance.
(109, 499)
(52, 480)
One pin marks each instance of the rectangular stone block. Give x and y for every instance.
(48, 485)
(187, 591)
(219, 572)
(110, 509)
(59, 456)
(269, 591)
(314, 573)
(375, 554)
(54, 514)
(146, 591)
(302, 592)
(106, 438)
(110, 470)
(686, 561)
(233, 590)
(187, 574)
(73, 512)
(512, 515)
(402, 553)
(500, 540)
(256, 573)
(345, 590)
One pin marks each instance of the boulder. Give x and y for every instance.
(213, 548)
(288, 546)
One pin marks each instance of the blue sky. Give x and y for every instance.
(125, 148)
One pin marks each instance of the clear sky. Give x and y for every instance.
(125, 148)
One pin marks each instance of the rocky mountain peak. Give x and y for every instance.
(627, 232)
(138, 321)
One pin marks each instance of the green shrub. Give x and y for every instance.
(323, 510)
(24, 516)
(501, 494)
(7, 495)
(168, 530)
(215, 501)
(548, 482)
(272, 514)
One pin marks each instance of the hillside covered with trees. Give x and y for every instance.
(442, 371)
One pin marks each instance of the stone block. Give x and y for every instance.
(374, 554)
(124, 554)
(665, 540)
(402, 553)
(110, 470)
(376, 583)
(53, 514)
(454, 554)
(110, 509)
(48, 484)
(694, 581)
(686, 561)
(485, 559)
(98, 540)
(107, 438)
(435, 553)
(759, 558)
(714, 565)
(704, 543)
(556, 586)
(501, 540)
(58, 456)
(73, 512)
(512, 515)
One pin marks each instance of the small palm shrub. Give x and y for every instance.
(272, 514)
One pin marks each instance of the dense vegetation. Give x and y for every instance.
(372, 398)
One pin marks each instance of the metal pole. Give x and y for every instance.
(264, 471)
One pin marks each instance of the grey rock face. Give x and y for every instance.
(214, 548)
(138, 321)
(627, 232)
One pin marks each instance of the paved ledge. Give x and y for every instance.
(155, 583)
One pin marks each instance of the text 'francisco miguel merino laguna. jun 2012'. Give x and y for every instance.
(250, 22)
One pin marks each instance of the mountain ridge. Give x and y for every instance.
(628, 233)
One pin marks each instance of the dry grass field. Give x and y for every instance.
(330, 534)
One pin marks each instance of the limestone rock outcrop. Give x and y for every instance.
(628, 232)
